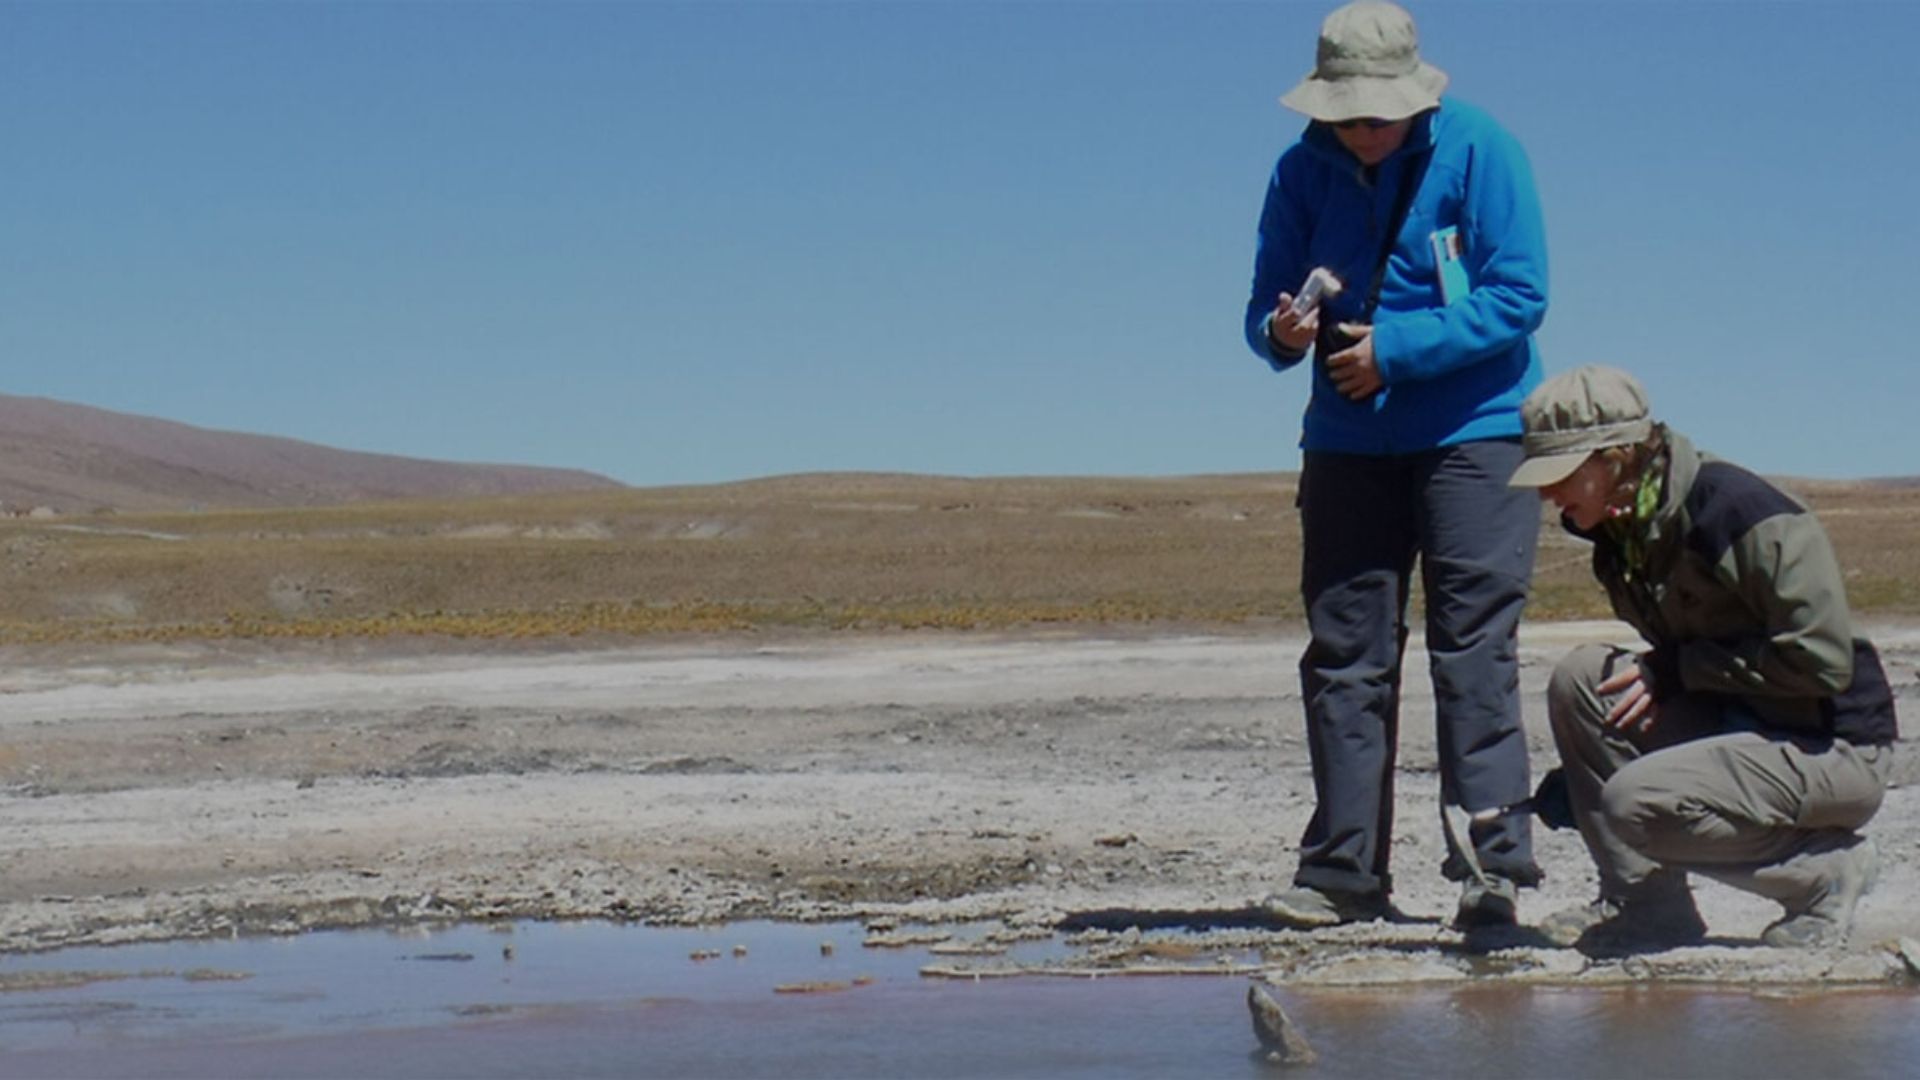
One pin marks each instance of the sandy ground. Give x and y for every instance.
(1014, 783)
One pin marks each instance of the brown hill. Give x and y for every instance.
(74, 458)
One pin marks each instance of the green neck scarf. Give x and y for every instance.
(1629, 531)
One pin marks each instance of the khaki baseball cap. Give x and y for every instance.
(1368, 66)
(1573, 414)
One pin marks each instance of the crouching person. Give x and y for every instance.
(1753, 740)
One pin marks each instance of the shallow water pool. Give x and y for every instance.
(595, 999)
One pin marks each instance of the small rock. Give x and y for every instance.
(905, 939)
(211, 975)
(1909, 950)
(1278, 1035)
(810, 988)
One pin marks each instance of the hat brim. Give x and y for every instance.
(1547, 469)
(1361, 97)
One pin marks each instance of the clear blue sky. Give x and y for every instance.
(687, 242)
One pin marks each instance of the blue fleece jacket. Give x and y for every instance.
(1453, 372)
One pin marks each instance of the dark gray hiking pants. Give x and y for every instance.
(1757, 810)
(1364, 521)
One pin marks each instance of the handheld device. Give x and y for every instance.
(1319, 285)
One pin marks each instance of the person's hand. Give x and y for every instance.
(1294, 333)
(1634, 710)
(1352, 369)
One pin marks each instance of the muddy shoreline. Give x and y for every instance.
(1009, 784)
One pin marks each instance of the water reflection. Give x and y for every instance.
(585, 1000)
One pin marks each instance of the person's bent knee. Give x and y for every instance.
(1571, 693)
(1636, 812)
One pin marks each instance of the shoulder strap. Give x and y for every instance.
(1415, 174)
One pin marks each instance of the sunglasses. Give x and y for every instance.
(1371, 123)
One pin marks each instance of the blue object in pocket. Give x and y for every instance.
(1447, 263)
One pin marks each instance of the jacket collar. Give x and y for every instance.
(1683, 464)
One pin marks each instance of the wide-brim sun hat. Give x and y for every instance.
(1368, 67)
(1575, 413)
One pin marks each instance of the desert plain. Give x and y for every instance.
(995, 708)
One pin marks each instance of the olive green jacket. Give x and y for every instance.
(1735, 586)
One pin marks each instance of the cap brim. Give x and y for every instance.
(1547, 469)
(1333, 100)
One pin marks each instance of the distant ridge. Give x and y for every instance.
(76, 458)
(1865, 483)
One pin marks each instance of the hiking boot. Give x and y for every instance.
(1824, 923)
(1491, 901)
(1614, 925)
(1304, 907)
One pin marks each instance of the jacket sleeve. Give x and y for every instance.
(1505, 248)
(1785, 569)
(1279, 263)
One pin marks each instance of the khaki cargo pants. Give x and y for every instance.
(1755, 810)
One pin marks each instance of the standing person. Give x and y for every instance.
(1424, 209)
(1753, 739)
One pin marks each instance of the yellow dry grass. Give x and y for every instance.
(808, 552)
